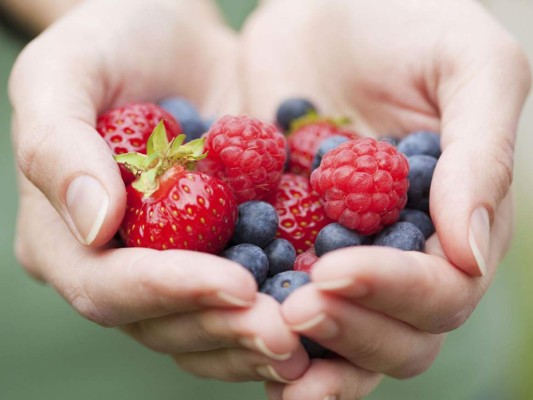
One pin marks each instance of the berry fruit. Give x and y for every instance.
(256, 224)
(170, 207)
(281, 256)
(422, 142)
(280, 286)
(305, 139)
(247, 154)
(363, 183)
(326, 145)
(292, 109)
(184, 111)
(127, 129)
(335, 236)
(300, 211)
(305, 261)
(250, 257)
(403, 236)
(420, 219)
(421, 170)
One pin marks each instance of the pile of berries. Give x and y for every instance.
(271, 197)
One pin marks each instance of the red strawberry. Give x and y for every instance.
(300, 210)
(127, 129)
(247, 154)
(306, 135)
(171, 207)
(363, 183)
(305, 261)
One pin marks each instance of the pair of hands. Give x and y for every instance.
(393, 67)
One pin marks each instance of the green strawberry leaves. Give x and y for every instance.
(161, 155)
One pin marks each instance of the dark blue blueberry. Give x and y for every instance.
(326, 145)
(208, 123)
(250, 257)
(403, 236)
(335, 236)
(280, 286)
(291, 110)
(419, 219)
(184, 111)
(314, 350)
(257, 223)
(421, 170)
(281, 256)
(421, 142)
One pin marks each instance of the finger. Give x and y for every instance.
(62, 80)
(419, 289)
(113, 286)
(327, 380)
(361, 336)
(237, 365)
(481, 94)
(259, 328)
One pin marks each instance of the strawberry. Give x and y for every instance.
(171, 207)
(300, 211)
(127, 129)
(305, 137)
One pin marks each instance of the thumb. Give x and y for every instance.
(474, 173)
(59, 151)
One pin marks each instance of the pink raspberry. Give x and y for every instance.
(247, 154)
(363, 183)
(305, 261)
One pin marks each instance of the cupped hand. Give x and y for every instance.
(396, 67)
(202, 310)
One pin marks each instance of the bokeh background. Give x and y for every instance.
(48, 352)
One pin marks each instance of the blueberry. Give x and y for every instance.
(419, 219)
(257, 223)
(421, 170)
(326, 145)
(250, 257)
(281, 255)
(280, 286)
(335, 236)
(421, 142)
(192, 124)
(403, 236)
(292, 109)
(314, 350)
(208, 123)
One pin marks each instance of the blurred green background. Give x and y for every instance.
(48, 352)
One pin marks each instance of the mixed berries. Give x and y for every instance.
(273, 198)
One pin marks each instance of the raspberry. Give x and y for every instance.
(363, 183)
(305, 261)
(247, 154)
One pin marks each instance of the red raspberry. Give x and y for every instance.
(300, 211)
(305, 261)
(305, 140)
(127, 129)
(364, 184)
(247, 154)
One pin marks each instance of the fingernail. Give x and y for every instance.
(221, 298)
(357, 288)
(331, 397)
(258, 344)
(322, 326)
(87, 205)
(479, 237)
(269, 373)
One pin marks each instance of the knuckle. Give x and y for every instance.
(415, 367)
(33, 153)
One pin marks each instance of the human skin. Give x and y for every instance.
(390, 79)
(395, 67)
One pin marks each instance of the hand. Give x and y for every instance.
(201, 309)
(395, 67)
